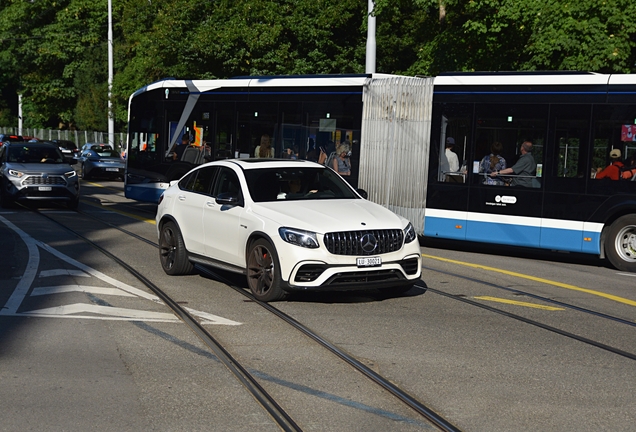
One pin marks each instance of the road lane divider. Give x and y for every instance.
(536, 279)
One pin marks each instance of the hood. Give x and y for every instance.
(40, 168)
(330, 215)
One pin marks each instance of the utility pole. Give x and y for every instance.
(371, 45)
(111, 118)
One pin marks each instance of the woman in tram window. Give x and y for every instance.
(491, 163)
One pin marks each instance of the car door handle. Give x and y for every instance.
(209, 203)
(181, 197)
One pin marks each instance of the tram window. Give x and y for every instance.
(449, 162)
(509, 125)
(614, 130)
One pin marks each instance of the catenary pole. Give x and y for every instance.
(111, 119)
(371, 45)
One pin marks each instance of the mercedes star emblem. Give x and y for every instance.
(368, 243)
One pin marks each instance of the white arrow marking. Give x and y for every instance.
(68, 311)
(131, 314)
(62, 272)
(211, 319)
(79, 288)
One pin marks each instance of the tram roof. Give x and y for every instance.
(264, 82)
(533, 78)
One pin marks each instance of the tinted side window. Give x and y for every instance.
(199, 181)
(227, 181)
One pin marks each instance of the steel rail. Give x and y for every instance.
(400, 394)
(534, 323)
(284, 421)
(536, 297)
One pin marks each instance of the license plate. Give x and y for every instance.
(369, 262)
(45, 188)
(112, 169)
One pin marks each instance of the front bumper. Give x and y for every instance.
(34, 188)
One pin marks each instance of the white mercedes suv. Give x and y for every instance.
(287, 225)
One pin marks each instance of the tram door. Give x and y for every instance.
(565, 198)
(223, 144)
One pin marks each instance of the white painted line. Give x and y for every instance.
(627, 274)
(211, 319)
(79, 288)
(62, 272)
(27, 278)
(72, 310)
(100, 275)
(137, 315)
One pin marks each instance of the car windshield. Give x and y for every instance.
(35, 154)
(274, 184)
(106, 153)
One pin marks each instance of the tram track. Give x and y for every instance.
(533, 322)
(284, 421)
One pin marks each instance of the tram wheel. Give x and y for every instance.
(263, 272)
(172, 251)
(620, 243)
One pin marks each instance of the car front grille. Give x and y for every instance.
(40, 180)
(358, 242)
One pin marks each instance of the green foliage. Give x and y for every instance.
(54, 51)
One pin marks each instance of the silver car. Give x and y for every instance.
(105, 163)
(32, 171)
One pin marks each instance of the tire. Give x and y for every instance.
(263, 272)
(620, 243)
(85, 176)
(172, 251)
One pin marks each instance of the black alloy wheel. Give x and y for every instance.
(263, 272)
(172, 251)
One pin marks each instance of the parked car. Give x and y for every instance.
(101, 162)
(68, 148)
(287, 225)
(36, 171)
(95, 146)
(9, 137)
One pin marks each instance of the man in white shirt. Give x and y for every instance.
(450, 162)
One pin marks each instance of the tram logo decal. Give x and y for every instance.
(502, 201)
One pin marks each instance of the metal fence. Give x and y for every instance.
(78, 137)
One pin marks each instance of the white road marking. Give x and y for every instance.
(627, 274)
(211, 319)
(31, 270)
(102, 310)
(62, 272)
(72, 310)
(79, 288)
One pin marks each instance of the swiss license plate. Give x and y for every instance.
(369, 261)
(112, 169)
(45, 188)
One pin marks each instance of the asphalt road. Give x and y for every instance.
(83, 344)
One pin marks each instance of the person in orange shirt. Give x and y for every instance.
(613, 170)
(629, 172)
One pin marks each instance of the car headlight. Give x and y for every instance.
(70, 174)
(299, 237)
(16, 173)
(409, 233)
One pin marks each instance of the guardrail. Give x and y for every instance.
(78, 137)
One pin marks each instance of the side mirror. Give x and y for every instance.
(227, 198)
(362, 193)
(73, 161)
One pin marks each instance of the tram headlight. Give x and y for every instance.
(409, 233)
